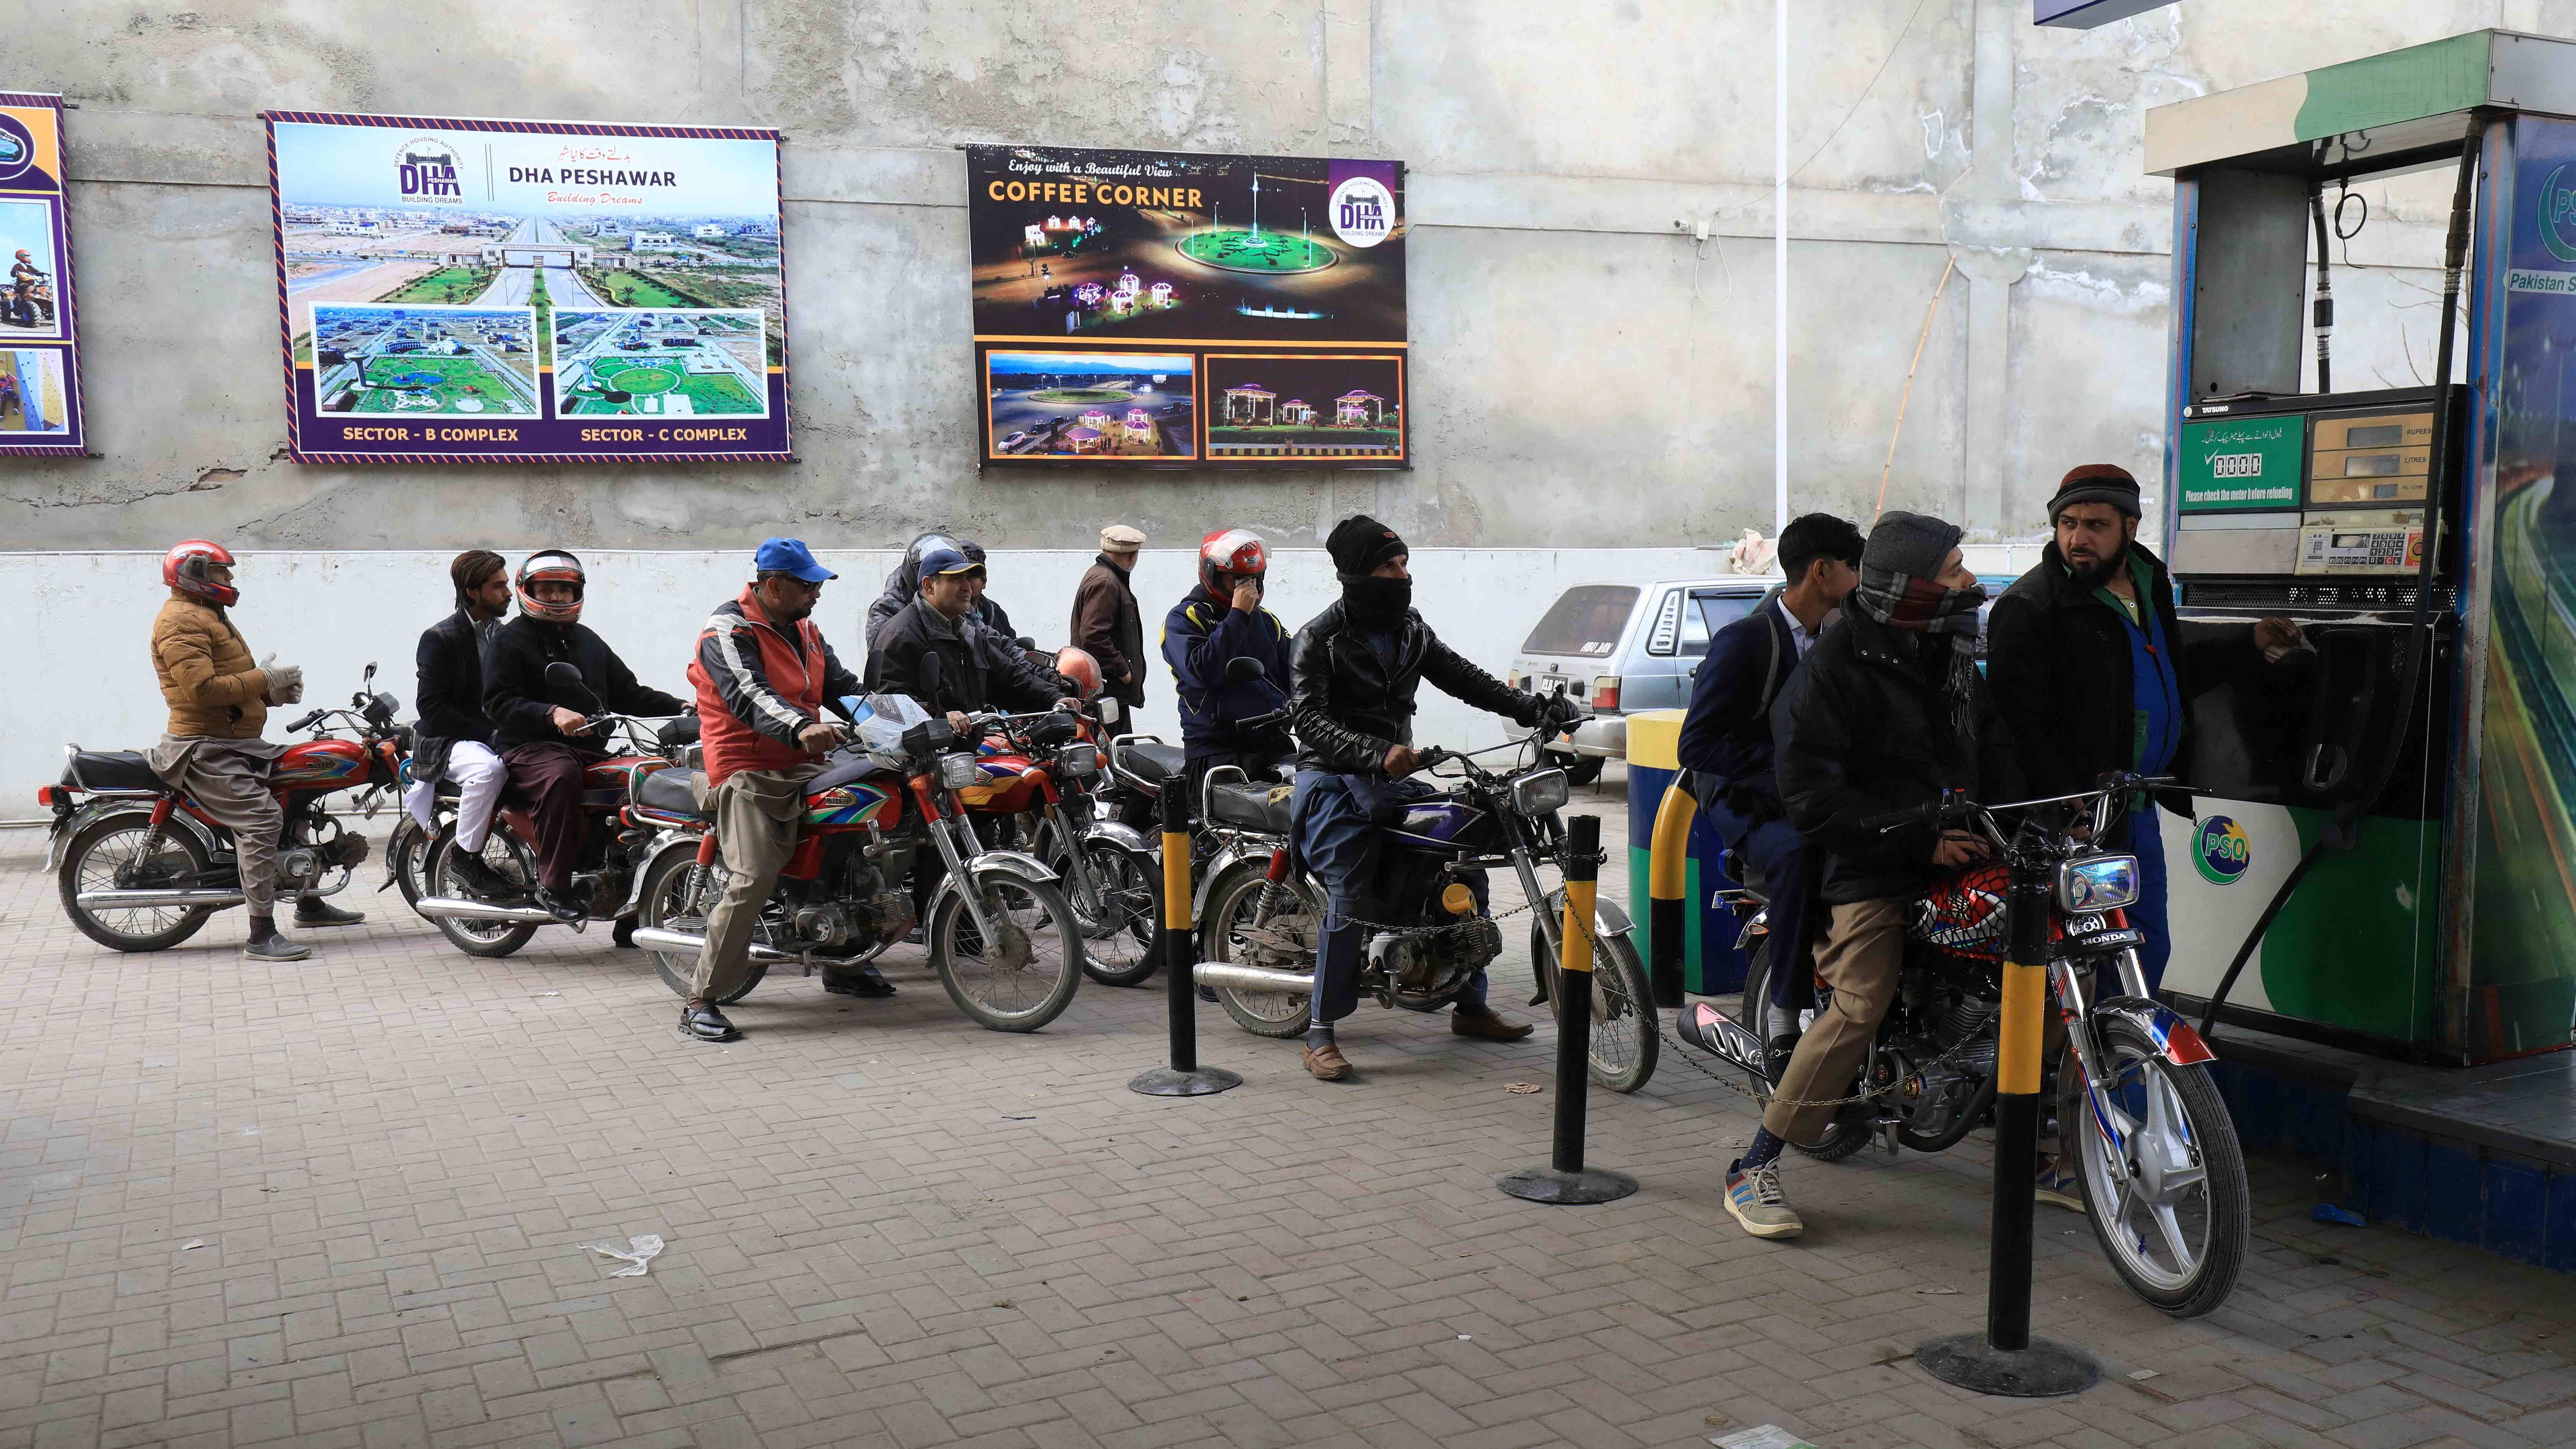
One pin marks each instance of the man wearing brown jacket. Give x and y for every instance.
(1105, 618)
(219, 703)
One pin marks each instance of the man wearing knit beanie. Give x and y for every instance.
(1885, 714)
(1354, 670)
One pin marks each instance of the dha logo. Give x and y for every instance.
(2221, 851)
(426, 167)
(1363, 211)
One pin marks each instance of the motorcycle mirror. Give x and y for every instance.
(369, 677)
(1243, 669)
(565, 684)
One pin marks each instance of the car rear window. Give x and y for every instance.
(1585, 621)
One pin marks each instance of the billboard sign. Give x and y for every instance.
(40, 382)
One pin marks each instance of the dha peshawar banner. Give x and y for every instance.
(459, 290)
(1175, 309)
(40, 380)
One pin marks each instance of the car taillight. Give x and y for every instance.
(1605, 692)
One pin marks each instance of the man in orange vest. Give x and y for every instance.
(764, 676)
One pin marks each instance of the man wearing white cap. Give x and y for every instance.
(1105, 617)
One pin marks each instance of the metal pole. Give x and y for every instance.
(1183, 1077)
(1565, 1179)
(2007, 1360)
(1780, 268)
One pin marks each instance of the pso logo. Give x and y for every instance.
(2558, 215)
(2220, 850)
(426, 167)
(1363, 211)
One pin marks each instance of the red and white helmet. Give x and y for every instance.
(1078, 667)
(551, 565)
(188, 568)
(1232, 551)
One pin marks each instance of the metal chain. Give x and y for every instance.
(1692, 1055)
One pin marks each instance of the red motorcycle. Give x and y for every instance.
(142, 868)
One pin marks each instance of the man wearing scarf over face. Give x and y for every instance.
(1353, 672)
(1886, 713)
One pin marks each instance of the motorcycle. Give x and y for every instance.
(1261, 913)
(1005, 943)
(141, 868)
(2162, 1174)
(494, 925)
(1046, 774)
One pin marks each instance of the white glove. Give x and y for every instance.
(285, 681)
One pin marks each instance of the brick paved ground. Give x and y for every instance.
(887, 1228)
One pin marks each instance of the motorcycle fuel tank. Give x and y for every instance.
(320, 762)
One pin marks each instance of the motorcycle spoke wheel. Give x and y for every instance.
(1237, 904)
(2162, 1174)
(107, 855)
(507, 857)
(1118, 930)
(679, 894)
(1025, 976)
(1625, 1034)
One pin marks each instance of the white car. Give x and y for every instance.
(1626, 647)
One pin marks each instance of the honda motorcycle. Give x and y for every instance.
(2163, 1176)
(141, 868)
(1006, 944)
(1261, 912)
(1045, 773)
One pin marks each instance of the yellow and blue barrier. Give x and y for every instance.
(1674, 866)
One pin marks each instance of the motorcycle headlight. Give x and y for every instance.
(1079, 759)
(2097, 883)
(958, 772)
(1541, 792)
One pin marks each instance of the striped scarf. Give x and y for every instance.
(1911, 604)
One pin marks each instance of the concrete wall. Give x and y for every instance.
(1586, 374)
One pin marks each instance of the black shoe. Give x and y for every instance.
(705, 1023)
(624, 935)
(310, 911)
(476, 874)
(559, 908)
(856, 981)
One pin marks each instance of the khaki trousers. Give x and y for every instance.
(1863, 947)
(229, 781)
(756, 814)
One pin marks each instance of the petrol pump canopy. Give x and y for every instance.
(2377, 114)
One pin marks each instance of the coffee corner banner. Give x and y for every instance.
(1165, 309)
(40, 382)
(528, 291)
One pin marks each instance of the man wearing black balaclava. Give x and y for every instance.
(1353, 672)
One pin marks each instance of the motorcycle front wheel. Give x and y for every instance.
(1025, 977)
(512, 860)
(1849, 1132)
(2172, 1209)
(1625, 1032)
(112, 846)
(1236, 904)
(1118, 926)
(407, 858)
(678, 895)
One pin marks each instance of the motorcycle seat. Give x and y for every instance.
(668, 792)
(1251, 807)
(1151, 760)
(111, 770)
(851, 768)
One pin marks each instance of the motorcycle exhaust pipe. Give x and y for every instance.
(453, 909)
(1227, 976)
(654, 938)
(114, 900)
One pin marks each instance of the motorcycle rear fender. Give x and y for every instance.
(1224, 860)
(1757, 924)
(82, 816)
(664, 844)
(1125, 837)
(1609, 919)
(2174, 1037)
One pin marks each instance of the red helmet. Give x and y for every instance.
(186, 567)
(1078, 666)
(1232, 551)
(551, 565)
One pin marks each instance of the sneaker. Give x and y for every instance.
(1754, 1196)
(2057, 1187)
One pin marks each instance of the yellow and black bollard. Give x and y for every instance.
(1565, 1180)
(1667, 883)
(1183, 1077)
(2006, 1360)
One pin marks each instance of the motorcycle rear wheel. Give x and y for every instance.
(1021, 982)
(2152, 1094)
(1118, 938)
(1850, 1130)
(676, 898)
(507, 855)
(1234, 903)
(407, 858)
(90, 863)
(1626, 1037)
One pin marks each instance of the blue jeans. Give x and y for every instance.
(2147, 843)
(1340, 842)
(1789, 867)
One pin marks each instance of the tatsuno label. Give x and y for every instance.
(2221, 851)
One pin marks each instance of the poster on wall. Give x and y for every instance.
(1166, 309)
(2522, 914)
(528, 291)
(40, 411)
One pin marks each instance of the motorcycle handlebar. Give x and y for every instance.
(307, 722)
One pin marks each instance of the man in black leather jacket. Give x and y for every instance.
(1353, 672)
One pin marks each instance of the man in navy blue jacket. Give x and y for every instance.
(1221, 621)
(1726, 739)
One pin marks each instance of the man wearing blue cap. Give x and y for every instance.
(764, 677)
(971, 677)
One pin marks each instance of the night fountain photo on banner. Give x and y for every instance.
(1107, 406)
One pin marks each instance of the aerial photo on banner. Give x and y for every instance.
(513, 291)
(40, 412)
(1084, 258)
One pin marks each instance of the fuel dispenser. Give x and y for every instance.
(2389, 858)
